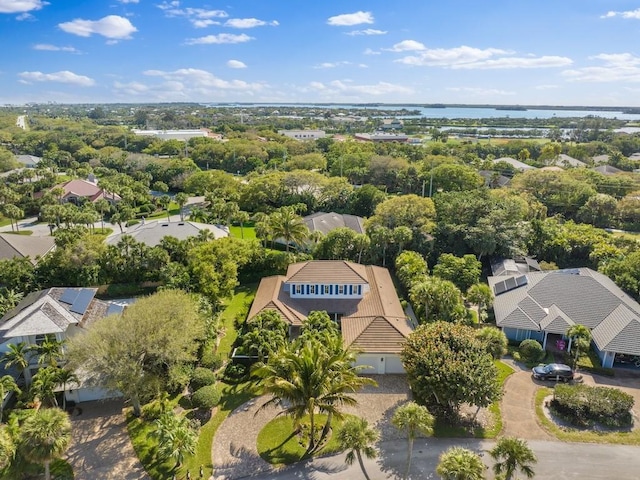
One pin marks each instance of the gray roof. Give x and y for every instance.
(553, 301)
(566, 160)
(598, 159)
(52, 311)
(28, 159)
(514, 163)
(325, 222)
(513, 266)
(12, 246)
(151, 233)
(607, 170)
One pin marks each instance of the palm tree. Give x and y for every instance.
(7, 448)
(356, 436)
(176, 437)
(45, 436)
(286, 224)
(44, 384)
(65, 377)
(314, 377)
(181, 199)
(413, 419)
(241, 217)
(7, 384)
(165, 202)
(512, 454)
(581, 341)
(49, 351)
(458, 463)
(17, 355)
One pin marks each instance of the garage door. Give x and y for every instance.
(393, 364)
(370, 361)
(380, 364)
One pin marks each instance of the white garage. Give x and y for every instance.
(380, 364)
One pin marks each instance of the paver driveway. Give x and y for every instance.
(101, 448)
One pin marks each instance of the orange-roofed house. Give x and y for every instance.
(75, 190)
(360, 298)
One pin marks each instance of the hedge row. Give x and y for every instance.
(584, 406)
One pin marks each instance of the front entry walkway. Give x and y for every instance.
(518, 409)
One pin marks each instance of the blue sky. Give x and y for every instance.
(558, 52)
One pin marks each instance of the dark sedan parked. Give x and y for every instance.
(553, 371)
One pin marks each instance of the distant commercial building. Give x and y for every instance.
(183, 135)
(303, 134)
(381, 137)
(392, 124)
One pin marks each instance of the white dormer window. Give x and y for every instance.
(298, 289)
(340, 289)
(325, 288)
(312, 289)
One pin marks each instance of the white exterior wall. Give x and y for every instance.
(319, 288)
(380, 363)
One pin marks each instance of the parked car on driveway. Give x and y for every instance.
(557, 372)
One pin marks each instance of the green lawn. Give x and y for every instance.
(237, 232)
(445, 429)
(239, 303)
(21, 232)
(278, 444)
(4, 221)
(584, 436)
(173, 210)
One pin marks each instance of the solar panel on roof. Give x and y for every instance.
(69, 295)
(115, 308)
(521, 280)
(510, 283)
(81, 303)
(499, 288)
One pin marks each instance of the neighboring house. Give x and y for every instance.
(361, 299)
(303, 134)
(607, 170)
(514, 266)
(381, 137)
(58, 313)
(28, 161)
(76, 191)
(182, 135)
(600, 159)
(325, 222)
(21, 246)
(494, 179)
(565, 160)
(517, 164)
(392, 124)
(152, 233)
(544, 305)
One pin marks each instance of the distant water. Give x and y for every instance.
(451, 112)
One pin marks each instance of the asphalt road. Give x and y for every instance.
(556, 461)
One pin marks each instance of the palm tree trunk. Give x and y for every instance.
(364, 472)
(137, 408)
(64, 396)
(47, 472)
(327, 426)
(312, 435)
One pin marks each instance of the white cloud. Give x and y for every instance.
(617, 67)
(348, 88)
(54, 48)
(248, 23)
(635, 14)
(131, 88)
(350, 19)
(331, 64)
(442, 57)
(129, 1)
(236, 64)
(199, 17)
(202, 80)
(407, 46)
(370, 51)
(480, 92)
(111, 26)
(64, 76)
(546, 87)
(219, 39)
(367, 31)
(518, 62)
(20, 6)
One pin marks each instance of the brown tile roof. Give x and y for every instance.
(327, 271)
(12, 246)
(375, 323)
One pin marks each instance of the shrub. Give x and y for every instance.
(494, 341)
(531, 351)
(205, 398)
(235, 371)
(201, 378)
(583, 405)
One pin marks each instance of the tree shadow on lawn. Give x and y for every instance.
(280, 455)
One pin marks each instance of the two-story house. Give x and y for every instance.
(360, 298)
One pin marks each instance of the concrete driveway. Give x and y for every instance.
(101, 448)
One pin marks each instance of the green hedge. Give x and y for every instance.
(201, 378)
(206, 397)
(585, 406)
